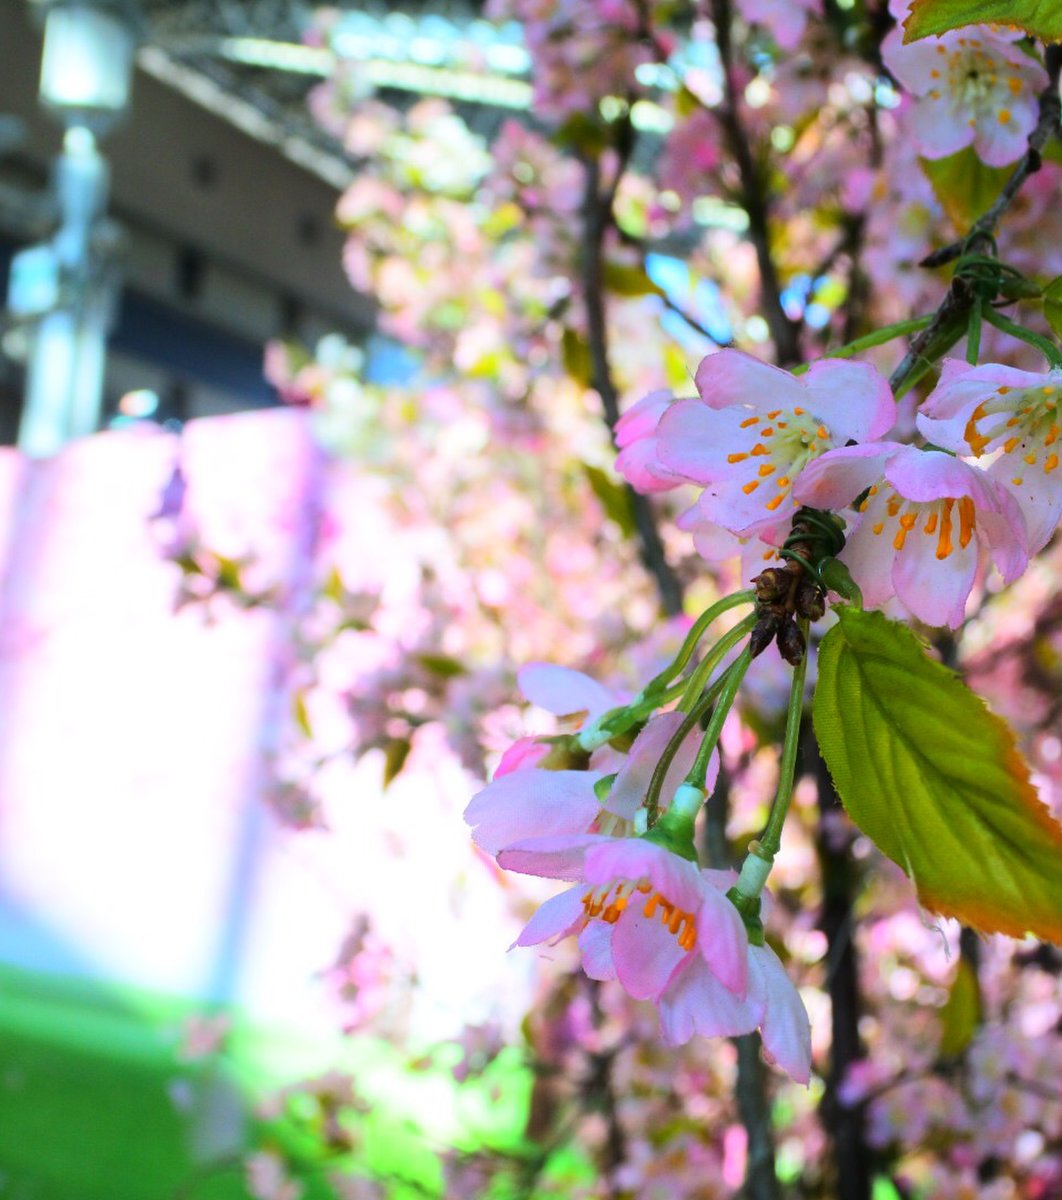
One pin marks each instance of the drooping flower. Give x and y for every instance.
(973, 86)
(642, 912)
(923, 520)
(756, 427)
(667, 932)
(542, 788)
(977, 411)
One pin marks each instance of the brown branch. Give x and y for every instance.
(597, 219)
(753, 194)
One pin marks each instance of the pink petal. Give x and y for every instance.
(723, 941)
(933, 475)
(939, 128)
(641, 419)
(640, 465)
(522, 755)
(694, 441)
(676, 879)
(869, 557)
(838, 476)
(732, 377)
(550, 857)
(645, 953)
(562, 691)
(555, 919)
(786, 1029)
(696, 1002)
(911, 64)
(532, 803)
(935, 590)
(632, 782)
(595, 944)
(1039, 497)
(852, 399)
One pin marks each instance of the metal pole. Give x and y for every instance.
(64, 386)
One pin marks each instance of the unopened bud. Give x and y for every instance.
(810, 601)
(791, 644)
(772, 584)
(762, 634)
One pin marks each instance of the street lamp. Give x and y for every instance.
(67, 285)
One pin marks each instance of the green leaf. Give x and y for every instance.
(615, 499)
(1052, 296)
(964, 185)
(441, 664)
(935, 779)
(575, 353)
(961, 1014)
(627, 280)
(396, 751)
(1039, 18)
(302, 714)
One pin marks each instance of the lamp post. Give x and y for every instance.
(67, 285)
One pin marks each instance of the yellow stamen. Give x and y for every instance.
(930, 526)
(1031, 459)
(1017, 481)
(944, 546)
(967, 519)
(1052, 436)
(783, 481)
(1009, 444)
(768, 432)
(799, 412)
(824, 433)
(771, 416)
(759, 450)
(879, 527)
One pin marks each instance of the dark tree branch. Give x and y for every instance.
(597, 219)
(846, 1127)
(753, 194)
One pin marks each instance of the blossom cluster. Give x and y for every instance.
(921, 520)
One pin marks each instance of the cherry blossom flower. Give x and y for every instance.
(923, 520)
(756, 427)
(973, 87)
(534, 795)
(666, 931)
(976, 411)
(646, 915)
(786, 19)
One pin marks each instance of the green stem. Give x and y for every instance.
(771, 839)
(973, 335)
(711, 660)
(727, 695)
(1047, 348)
(870, 340)
(656, 783)
(698, 630)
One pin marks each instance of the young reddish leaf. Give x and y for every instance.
(1039, 18)
(935, 779)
